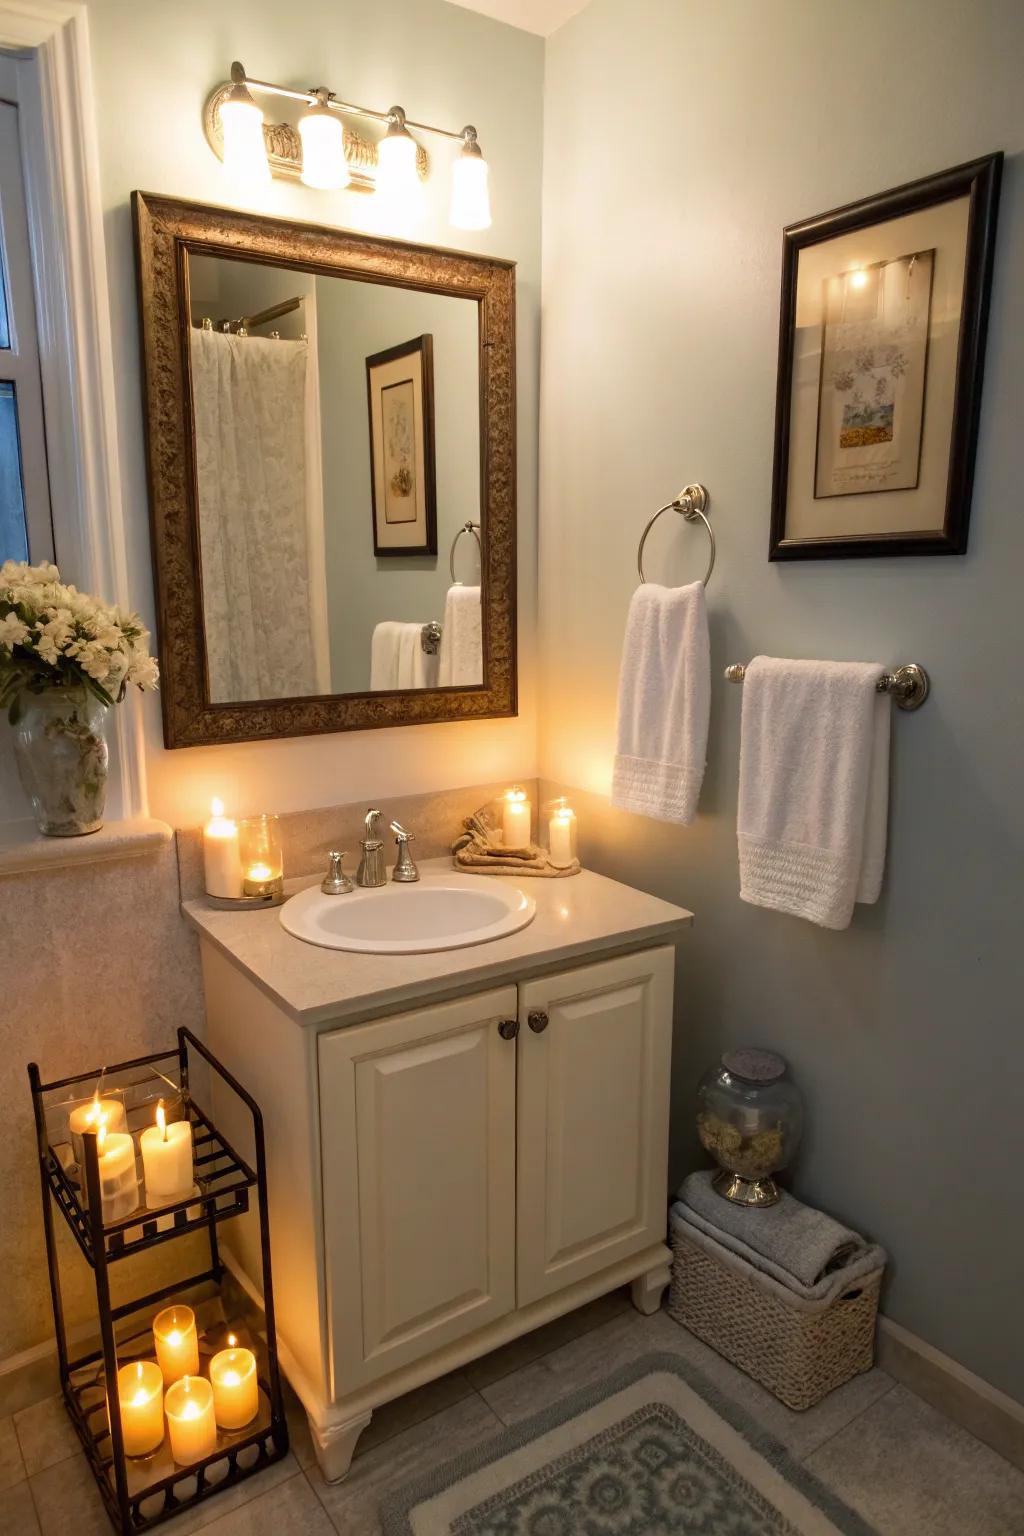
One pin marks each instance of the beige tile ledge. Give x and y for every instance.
(24, 850)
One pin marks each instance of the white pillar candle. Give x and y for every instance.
(140, 1394)
(515, 819)
(221, 858)
(236, 1396)
(119, 1184)
(189, 1408)
(177, 1342)
(107, 1111)
(167, 1159)
(561, 829)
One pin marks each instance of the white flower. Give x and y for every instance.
(13, 631)
(143, 672)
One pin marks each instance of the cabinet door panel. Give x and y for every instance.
(418, 1116)
(592, 1119)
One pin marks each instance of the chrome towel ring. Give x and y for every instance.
(474, 529)
(692, 502)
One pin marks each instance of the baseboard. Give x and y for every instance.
(987, 1413)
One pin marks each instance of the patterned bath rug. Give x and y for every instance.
(653, 1450)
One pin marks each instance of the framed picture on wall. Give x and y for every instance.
(400, 393)
(881, 354)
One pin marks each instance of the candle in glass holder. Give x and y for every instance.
(108, 1111)
(236, 1397)
(221, 859)
(515, 818)
(167, 1159)
(562, 835)
(140, 1395)
(262, 863)
(189, 1408)
(119, 1184)
(177, 1342)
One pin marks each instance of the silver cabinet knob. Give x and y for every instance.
(335, 882)
(537, 1020)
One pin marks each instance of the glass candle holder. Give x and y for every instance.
(105, 1108)
(177, 1342)
(259, 839)
(140, 1393)
(562, 833)
(190, 1420)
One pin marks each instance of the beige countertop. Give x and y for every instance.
(583, 917)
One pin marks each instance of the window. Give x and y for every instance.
(26, 526)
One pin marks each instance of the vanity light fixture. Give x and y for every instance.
(323, 147)
(325, 154)
(245, 156)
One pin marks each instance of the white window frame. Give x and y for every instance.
(19, 360)
(61, 161)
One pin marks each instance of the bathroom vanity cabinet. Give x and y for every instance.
(449, 1173)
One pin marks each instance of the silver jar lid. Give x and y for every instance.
(754, 1065)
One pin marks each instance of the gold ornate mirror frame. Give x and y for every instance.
(167, 230)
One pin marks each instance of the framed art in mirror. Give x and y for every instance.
(881, 356)
(286, 408)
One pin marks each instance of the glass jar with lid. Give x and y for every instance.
(749, 1118)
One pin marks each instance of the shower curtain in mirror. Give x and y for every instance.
(255, 481)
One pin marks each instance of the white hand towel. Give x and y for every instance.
(664, 703)
(814, 787)
(384, 647)
(462, 657)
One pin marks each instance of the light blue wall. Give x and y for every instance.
(680, 139)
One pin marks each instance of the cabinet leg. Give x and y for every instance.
(335, 1446)
(647, 1290)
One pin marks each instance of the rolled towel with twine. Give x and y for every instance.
(477, 853)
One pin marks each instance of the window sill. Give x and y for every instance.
(24, 850)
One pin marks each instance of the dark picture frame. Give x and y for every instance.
(403, 482)
(829, 525)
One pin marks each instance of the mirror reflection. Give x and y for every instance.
(337, 442)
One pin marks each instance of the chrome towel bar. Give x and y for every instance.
(909, 684)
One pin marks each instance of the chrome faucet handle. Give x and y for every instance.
(335, 882)
(371, 871)
(405, 870)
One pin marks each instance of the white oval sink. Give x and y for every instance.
(443, 911)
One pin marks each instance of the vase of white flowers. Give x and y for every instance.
(65, 658)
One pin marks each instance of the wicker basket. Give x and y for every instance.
(799, 1350)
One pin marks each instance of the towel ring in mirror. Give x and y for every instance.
(692, 502)
(474, 529)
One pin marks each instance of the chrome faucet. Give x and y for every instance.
(405, 870)
(371, 871)
(335, 882)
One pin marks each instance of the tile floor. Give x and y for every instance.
(903, 1466)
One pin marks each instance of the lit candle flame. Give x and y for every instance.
(174, 1338)
(216, 808)
(161, 1119)
(232, 1341)
(231, 1379)
(101, 1134)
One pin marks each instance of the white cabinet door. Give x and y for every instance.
(592, 1118)
(418, 1134)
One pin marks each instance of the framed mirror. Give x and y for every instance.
(331, 445)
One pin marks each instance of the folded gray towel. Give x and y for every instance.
(799, 1240)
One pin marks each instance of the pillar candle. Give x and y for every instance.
(561, 828)
(167, 1159)
(107, 1111)
(119, 1184)
(189, 1408)
(515, 819)
(177, 1342)
(236, 1397)
(140, 1394)
(221, 859)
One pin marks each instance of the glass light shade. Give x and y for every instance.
(470, 206)
(323, 150)
(398, 182)
(245, 154)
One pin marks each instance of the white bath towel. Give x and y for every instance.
(664, 703)
(397, 657)
(462, 657)
(814, 787)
